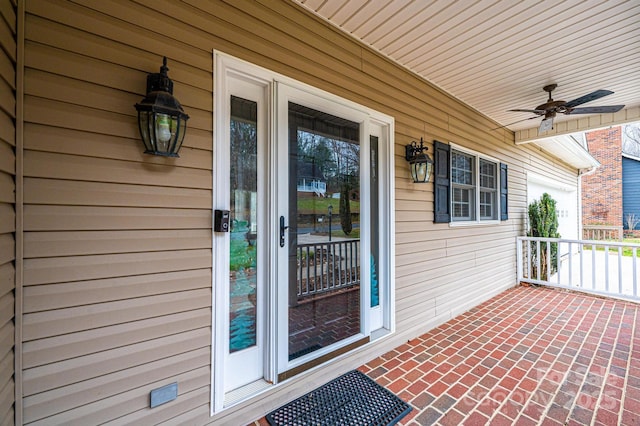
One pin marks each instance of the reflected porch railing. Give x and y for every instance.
(606, 268)
(327, 266)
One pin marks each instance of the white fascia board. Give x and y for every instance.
(569, 149)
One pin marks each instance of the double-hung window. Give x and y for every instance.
(488, 189)
(463, 185)
(469, 187)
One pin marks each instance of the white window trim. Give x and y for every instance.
(477, 155)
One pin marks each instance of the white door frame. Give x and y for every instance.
(279, 90)
(230, 80)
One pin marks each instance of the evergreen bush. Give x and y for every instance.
(543, 222)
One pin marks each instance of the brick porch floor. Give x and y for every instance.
(527, 356)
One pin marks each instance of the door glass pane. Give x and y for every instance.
(375, 244)
(324, 230)
(243, 221)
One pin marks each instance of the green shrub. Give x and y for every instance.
(345, 210)
(543, 222)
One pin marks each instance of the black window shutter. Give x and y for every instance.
(441, 184)
(504, 206)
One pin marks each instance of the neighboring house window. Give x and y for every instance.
(469, 187)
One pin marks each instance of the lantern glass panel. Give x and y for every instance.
(420, 172)
(180, 130)
(143, 120)
(163, 132)
(420, 169)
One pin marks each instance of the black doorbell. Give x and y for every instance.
(221, 221)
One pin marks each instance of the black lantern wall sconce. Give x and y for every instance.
(419, 161)
(161, 119)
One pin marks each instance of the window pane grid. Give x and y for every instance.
(463, 204)
(462, 169)
(488, 176)
(474, 183)
(487, 204)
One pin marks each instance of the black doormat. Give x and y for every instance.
(351, 399)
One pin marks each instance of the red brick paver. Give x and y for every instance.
(527, 356)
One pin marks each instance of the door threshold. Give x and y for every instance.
(244, 392)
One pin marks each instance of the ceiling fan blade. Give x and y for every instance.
(533, 111)
(515, 122)
(596, 110)
(588, 98)
(546, 124)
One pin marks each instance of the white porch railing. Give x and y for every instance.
(316, 186)
(327, 266)
(601, 267)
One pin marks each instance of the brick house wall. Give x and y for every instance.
(602, 190)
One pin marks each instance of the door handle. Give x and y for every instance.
(282, 229)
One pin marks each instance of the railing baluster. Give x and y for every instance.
(620, 270)
(333, 268)
(350, 250)
(357, 264)
(606, 267)
(559, 263)
(635, 276)
(350, 263)
(548, 258)
(530, 259)
(308, 271)
(519, 261)
(301, 268)
(593, 267)
(581, 249)
(325, 268)
(315, 269)
(538, 255)
(570, 247)
(340, 264)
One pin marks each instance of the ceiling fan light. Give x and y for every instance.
(546, 125)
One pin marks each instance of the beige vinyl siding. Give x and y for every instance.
(117, 271)
(8, 57)
(117, 274)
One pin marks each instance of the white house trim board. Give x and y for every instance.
(582, 124)
(567, 149)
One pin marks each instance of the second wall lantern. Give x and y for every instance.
(419, 161)
(161, 119)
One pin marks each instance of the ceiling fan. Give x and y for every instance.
(550, 108)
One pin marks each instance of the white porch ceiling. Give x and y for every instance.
(496, 55)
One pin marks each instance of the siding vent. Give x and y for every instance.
(164, 394)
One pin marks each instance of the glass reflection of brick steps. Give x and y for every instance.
(322, 321)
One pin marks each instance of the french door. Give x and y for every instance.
(304, 271)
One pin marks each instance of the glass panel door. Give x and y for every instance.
(244, 361)
(324, 230)
(243, 225)
(301, 173)
(376, 296)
